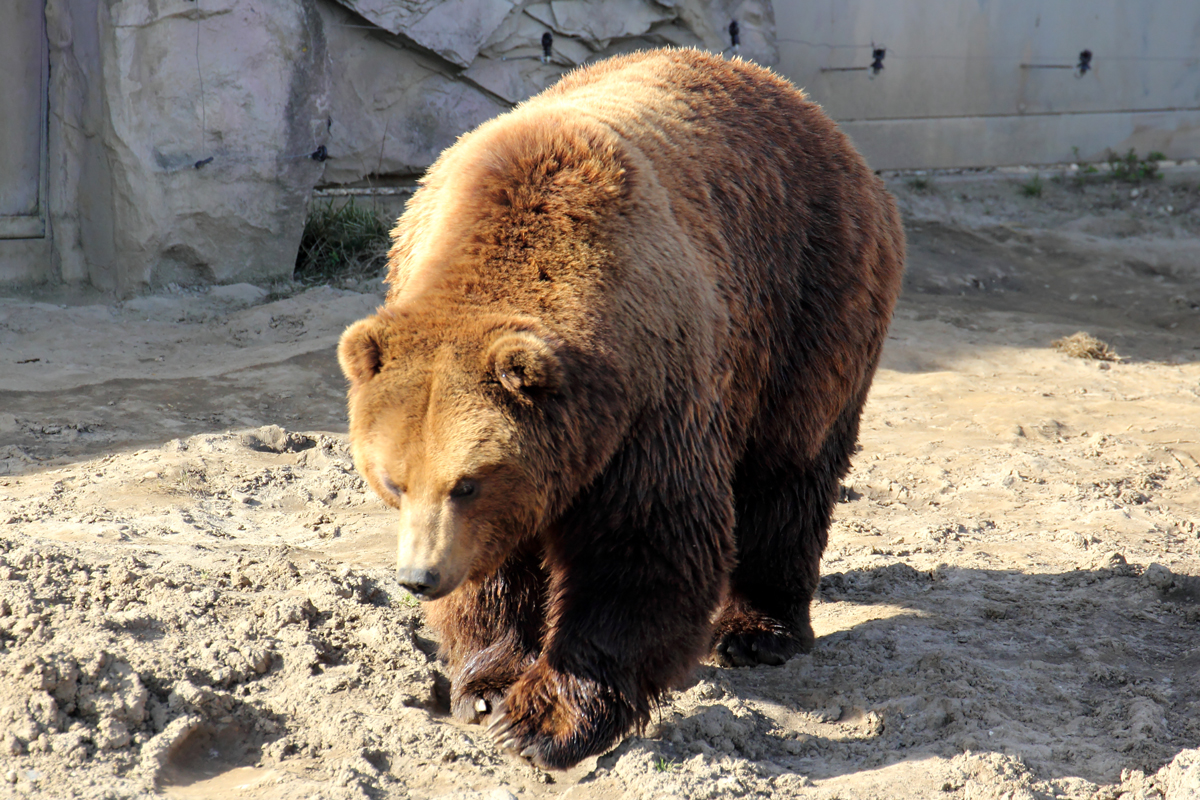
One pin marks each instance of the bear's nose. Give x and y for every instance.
(421, 582)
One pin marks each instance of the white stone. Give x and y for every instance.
(143, 91)
(1180, 780)
(238, 294)
(606, 20)
(514, 81)
(392, 109)
(456, 29)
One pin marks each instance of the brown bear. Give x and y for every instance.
(630, 329)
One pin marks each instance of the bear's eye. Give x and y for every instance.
(464, 488)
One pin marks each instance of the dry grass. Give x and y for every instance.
(342, 241)
(1084, 345)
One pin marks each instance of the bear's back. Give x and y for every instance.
(756, 173)
(801, 237)
(709, 194)
(717, 130)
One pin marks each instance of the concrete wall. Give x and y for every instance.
(24, 247)
(954, 93)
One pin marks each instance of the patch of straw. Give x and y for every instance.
(1084, 345)
(342, 241)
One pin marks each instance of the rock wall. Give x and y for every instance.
(186, 136)
(407, 77)
(80, 218)
(393, 106)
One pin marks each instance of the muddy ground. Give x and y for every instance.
(196, 596)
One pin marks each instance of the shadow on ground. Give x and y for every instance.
(1078, 674)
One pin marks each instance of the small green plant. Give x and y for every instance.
(664, 764)
(1083, 176)
(406, 600)
(921, 184)
(1131, 169)
(341, 241)
(1032, 188)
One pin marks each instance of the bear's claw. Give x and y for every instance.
(474, 707)
(746, 636)
(482, 678)
(500, 731)
(506, 738)
(473, 699)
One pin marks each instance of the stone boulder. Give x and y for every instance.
(211, 112)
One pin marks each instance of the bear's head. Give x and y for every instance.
(447, 425)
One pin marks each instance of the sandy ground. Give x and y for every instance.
(196, 596)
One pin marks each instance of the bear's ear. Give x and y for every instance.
(524, 363)
(360, 352)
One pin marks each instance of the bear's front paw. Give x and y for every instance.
(556, 720)
(751, 648)
(745, 638)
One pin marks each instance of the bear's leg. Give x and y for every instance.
(784, 510)
(634, 583)
(491, 633)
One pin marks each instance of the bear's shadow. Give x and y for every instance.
(1082, 674)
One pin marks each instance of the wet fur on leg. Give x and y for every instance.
(491, 634)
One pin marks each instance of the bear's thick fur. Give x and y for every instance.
(630, 329)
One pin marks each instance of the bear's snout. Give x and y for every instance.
(423, 583)
(434, 550)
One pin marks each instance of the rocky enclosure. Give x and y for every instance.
(196, 595)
